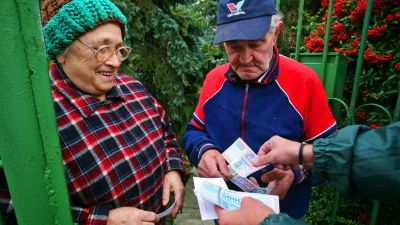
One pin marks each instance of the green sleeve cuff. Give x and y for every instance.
(282, 219)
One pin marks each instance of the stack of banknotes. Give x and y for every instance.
(213, 191)
(240, 156)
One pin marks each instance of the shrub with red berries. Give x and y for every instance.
(381, 59)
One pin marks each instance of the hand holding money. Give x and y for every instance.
(248, 206)
(131, 216)
(213, 191)
(281, 152)
(212, 164)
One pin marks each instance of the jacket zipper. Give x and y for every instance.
(246, 92)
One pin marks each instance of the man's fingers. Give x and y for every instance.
(208, 166)
(265, 148)
(223, 167)
(223, 215)
(147, 223)
(218, 209)
(254, 181)
(283, 167)
(275, 174)
(261, 160)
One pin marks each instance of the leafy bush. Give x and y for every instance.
(380, 78)
(350, 211)
(172, 50)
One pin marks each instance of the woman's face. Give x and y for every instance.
(81, 65)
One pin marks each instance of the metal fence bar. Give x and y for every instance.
(360, 58)
(335, 204)
(29, 145)
(1, 220)
(396, 115)
(374, 213)
(278, 5)
(326, 40)
(299, 29)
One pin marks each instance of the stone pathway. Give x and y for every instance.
(190, 213)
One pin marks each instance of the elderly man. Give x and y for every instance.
(120, 154)
(255, 96)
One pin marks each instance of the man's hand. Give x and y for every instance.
(131, 216)
(251, 212)
(279, 181)
(282, 153)
(173, 183)
(213, 164)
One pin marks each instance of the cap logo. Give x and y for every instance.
(236, 9)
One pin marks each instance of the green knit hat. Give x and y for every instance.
(65, 20)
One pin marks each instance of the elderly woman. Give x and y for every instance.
(120, 155)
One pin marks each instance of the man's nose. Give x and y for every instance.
(246, 56)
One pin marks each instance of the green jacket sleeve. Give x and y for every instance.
(361, 161)
(281, 218)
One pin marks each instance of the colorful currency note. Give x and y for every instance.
(222, 197)
(230, 200)
(245, 184)
(240, 156)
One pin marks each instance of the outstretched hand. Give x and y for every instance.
(251, 212)
(282, 153)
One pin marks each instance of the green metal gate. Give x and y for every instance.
(29, 146)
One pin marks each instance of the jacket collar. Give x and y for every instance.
(85, 103)
(264, 78)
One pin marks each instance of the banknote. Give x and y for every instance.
(230, 200)
(167, 211)
(240, 156)
(245, 184)
(222, 197)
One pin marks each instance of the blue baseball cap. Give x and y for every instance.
(243, 20)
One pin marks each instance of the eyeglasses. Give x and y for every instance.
(104, 52)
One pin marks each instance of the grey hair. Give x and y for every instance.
(275, 21)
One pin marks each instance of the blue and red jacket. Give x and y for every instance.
(288, 100)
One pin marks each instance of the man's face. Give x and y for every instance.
(250, 58)
(84, 70)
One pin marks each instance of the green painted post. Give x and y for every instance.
(1, 220)
(299, 28)
(396, 115)
(374, 214)
(278, 5)
(334, 208)
(360, 58)
(29, 146)
(326, 40)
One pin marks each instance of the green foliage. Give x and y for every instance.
(350, 211)
(172, 51)
(380, 77)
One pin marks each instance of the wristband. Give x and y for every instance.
(301, 152)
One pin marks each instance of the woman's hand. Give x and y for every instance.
(173, 183)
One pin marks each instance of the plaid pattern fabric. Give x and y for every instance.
(115, 151)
